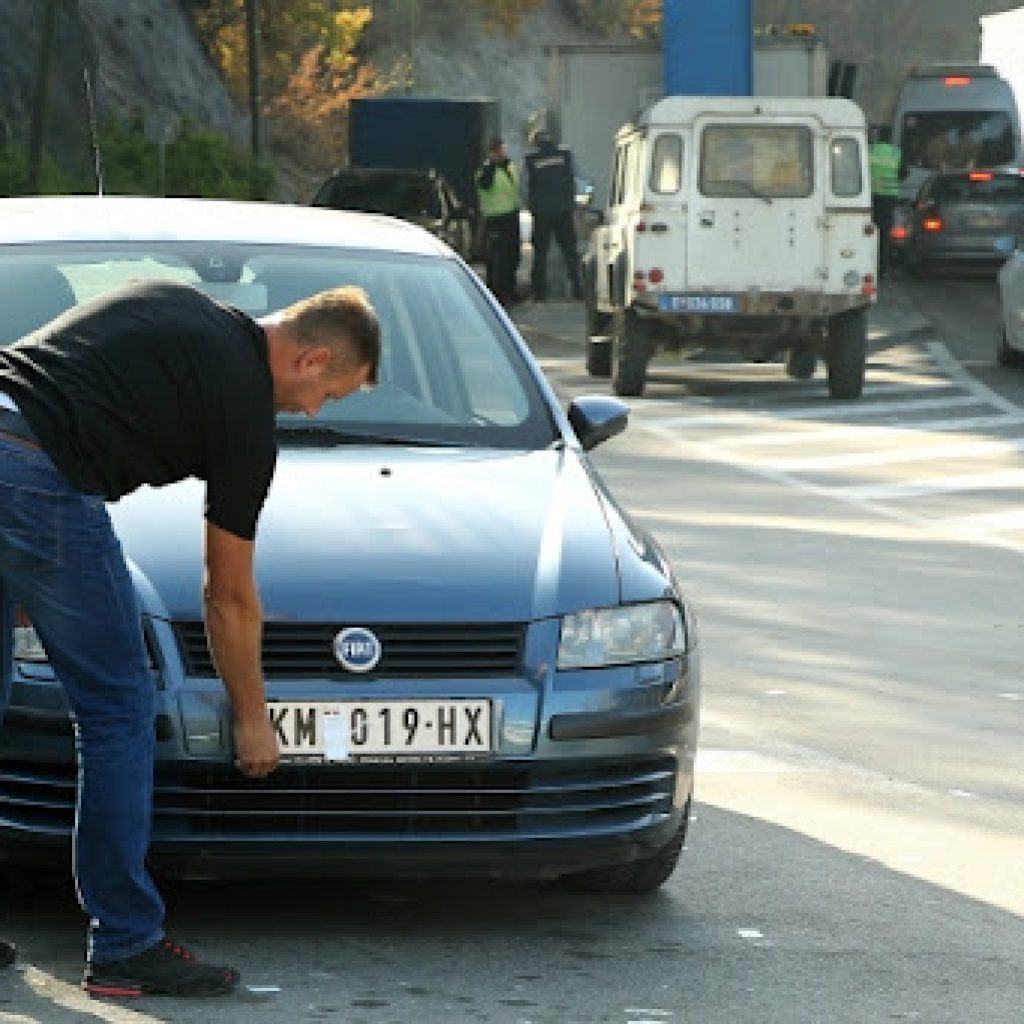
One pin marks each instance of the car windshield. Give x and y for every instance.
(979, 187)
(449, 372)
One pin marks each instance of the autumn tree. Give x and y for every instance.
(309, 71)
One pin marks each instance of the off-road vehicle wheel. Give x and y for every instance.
(801, 362)
(597, 322)
(1006, 356)
(599, 355)
(846, 354)
(631, 351)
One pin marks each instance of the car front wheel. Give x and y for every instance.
(638, 877)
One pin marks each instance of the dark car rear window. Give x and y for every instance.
(394, 196)
(979, 188)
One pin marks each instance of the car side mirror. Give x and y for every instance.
(596, 418)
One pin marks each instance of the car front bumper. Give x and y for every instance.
(593, 769)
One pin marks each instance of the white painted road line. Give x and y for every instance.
(817, 412)
(869, 431)
(1006, 480)
(987, 522)
(945, 360)
(850, 460)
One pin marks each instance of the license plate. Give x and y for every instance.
(350, 730)
(697, 303)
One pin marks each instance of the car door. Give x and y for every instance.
(608, 238)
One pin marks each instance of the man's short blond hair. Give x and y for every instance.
(342, 320)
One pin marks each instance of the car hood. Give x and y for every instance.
(398, 535)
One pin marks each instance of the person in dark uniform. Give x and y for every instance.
(551, 197)
(150, 384)
(498, 192)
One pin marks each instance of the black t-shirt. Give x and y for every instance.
(148, 385)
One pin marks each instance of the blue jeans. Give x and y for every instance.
(60, 560)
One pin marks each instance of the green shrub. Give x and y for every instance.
(197, 163)
(14, 174)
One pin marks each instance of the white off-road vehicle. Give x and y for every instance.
(740, 223)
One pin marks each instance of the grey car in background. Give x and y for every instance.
(964, 218)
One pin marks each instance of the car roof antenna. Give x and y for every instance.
(94, 140)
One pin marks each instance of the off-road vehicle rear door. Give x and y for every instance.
(757, 211)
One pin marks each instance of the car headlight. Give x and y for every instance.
(619, 636)
(27, 645)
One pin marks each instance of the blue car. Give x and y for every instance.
(476, 664)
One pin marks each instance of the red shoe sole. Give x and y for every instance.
(111, 991)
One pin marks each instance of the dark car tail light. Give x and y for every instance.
(932, 224)
(981, 176)
(899, 233)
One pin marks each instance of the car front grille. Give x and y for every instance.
(323, 803)
(305, 650)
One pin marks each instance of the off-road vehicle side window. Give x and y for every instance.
(618, 172)
(846, 168)
(667, 164)
(631, 188)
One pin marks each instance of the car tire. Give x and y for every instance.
(630, 354)
(846, 354)
(915, 266)
(637, 877)
(598, 323)
(1005, 355)
(801, 362)
(599, 356)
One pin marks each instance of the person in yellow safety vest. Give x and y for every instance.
(497, 188)
(886, 163)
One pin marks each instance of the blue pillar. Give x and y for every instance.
(709, 47)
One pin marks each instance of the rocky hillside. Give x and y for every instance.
(143, 55)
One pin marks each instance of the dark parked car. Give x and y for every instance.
(961, 217)
(476, 663)
(420, 197)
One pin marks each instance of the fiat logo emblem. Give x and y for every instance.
(357, 649)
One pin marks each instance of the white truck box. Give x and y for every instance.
(594, 89)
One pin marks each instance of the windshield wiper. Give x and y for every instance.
(745, 186)
(321, 433)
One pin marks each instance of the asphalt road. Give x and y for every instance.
(856, 854)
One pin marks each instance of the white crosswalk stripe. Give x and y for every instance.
(927, 444)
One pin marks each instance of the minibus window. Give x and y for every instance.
(667, 164)
(954, 140)
(846, 168)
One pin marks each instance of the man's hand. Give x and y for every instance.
(234, 623)
(256, 749)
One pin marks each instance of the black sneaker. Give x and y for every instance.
(8, 953)
(165, 969)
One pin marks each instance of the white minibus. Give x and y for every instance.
(955, 117)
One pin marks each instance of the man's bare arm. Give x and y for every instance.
(234, 627)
